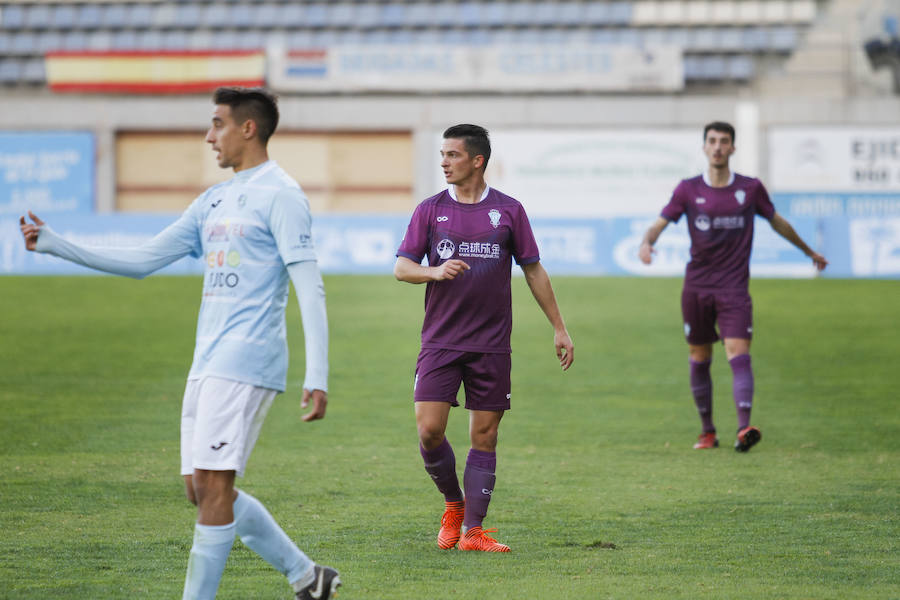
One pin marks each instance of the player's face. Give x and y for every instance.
(226, 137)
(457, 164)
(718, 148)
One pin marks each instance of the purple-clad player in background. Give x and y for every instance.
(720, 207)
(470, 234)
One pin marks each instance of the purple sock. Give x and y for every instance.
(742, 388)
(441, 465)
(478, 481)
(701, 387)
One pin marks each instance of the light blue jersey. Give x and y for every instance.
(247, 230)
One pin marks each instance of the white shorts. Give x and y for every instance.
(220, 422)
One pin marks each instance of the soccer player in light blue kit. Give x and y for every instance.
(253, 232)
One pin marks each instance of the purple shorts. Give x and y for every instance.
(703, 309)
(484, 375)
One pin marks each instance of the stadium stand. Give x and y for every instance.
(723, 40)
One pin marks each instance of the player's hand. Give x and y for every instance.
(319, 401)
(450, 269)
(819, 261)
(565, 349)
(646, 253)
(30, 231)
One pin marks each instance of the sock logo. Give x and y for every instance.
(219, 447)
(486, 491)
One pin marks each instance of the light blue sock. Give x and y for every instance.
(212, 544)
(259, 532)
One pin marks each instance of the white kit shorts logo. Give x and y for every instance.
(494, 216)
(446, 248)
(740, 196)
(702, 222)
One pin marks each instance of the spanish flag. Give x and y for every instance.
(154, 72)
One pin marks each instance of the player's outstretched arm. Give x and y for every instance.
(785, 230)
(646, 251)
(177, 240)
(413, 272)
(310, 290)
(542, 290)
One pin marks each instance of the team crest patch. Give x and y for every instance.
(494, 216)
(740, 196)
(446, 248)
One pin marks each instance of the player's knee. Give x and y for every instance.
(430, 437)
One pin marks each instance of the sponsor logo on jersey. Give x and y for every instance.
(446, 248)
(728, 222)
(233, 258)
(702, 222)
(216, 203)
(740, 196)
(479, 250)
(494, 216)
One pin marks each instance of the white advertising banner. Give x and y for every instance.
(834, 159)
(593, 173)
(514, 68)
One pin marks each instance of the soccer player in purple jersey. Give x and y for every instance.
(720, 207)
(470, 234)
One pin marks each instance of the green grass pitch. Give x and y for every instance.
(598, 493)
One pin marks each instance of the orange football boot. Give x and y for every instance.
(477, 538)
(451, 523)
(706, 441)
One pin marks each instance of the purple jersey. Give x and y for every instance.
(472, 312)
(720, 222)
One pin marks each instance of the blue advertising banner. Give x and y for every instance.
(366, 244)
(47, 172)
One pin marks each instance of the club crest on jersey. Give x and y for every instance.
(446, 248)
(494, 216)
(702, 222)
(740, 196)
(242, 200)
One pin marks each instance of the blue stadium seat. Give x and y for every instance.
(418, 15)
(620, 13)
(495, 14)
(225, 40)
(401, 37)
(350, 37)
(300, 40)
(242, 14)
(520, 14)
(125, 39)
(140, 16)
(100, 41)
(444, 15)
(38, 16)
(605, 36)
(325, 38)
(33, 71)
(629, 37)
(478, 37)
(679, 36)
(63, 17)
(571, 13)
(89, 16)
(13, 16)
(597, 13)
(188, 16)
(5, 42)
(49, 41)
(115, 16)
(264, 15)
(251, 40)
(75, 40)
(692, 68)
(177, 39)
(10, 70)
(150, 39)
(164, 15)
(754, 39)
(24, 43)
(317, 15)
(783, 39)
(543, 13)
(292, 15)
(469, 14)
(367, 15)
(341, 15)
(730, 39)
(216, 15)
(199, 39)
(392, 15)
(704, 39)
(741, 67)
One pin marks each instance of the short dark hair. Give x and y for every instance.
(256, 104)
(475, 139)
(720, 126)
